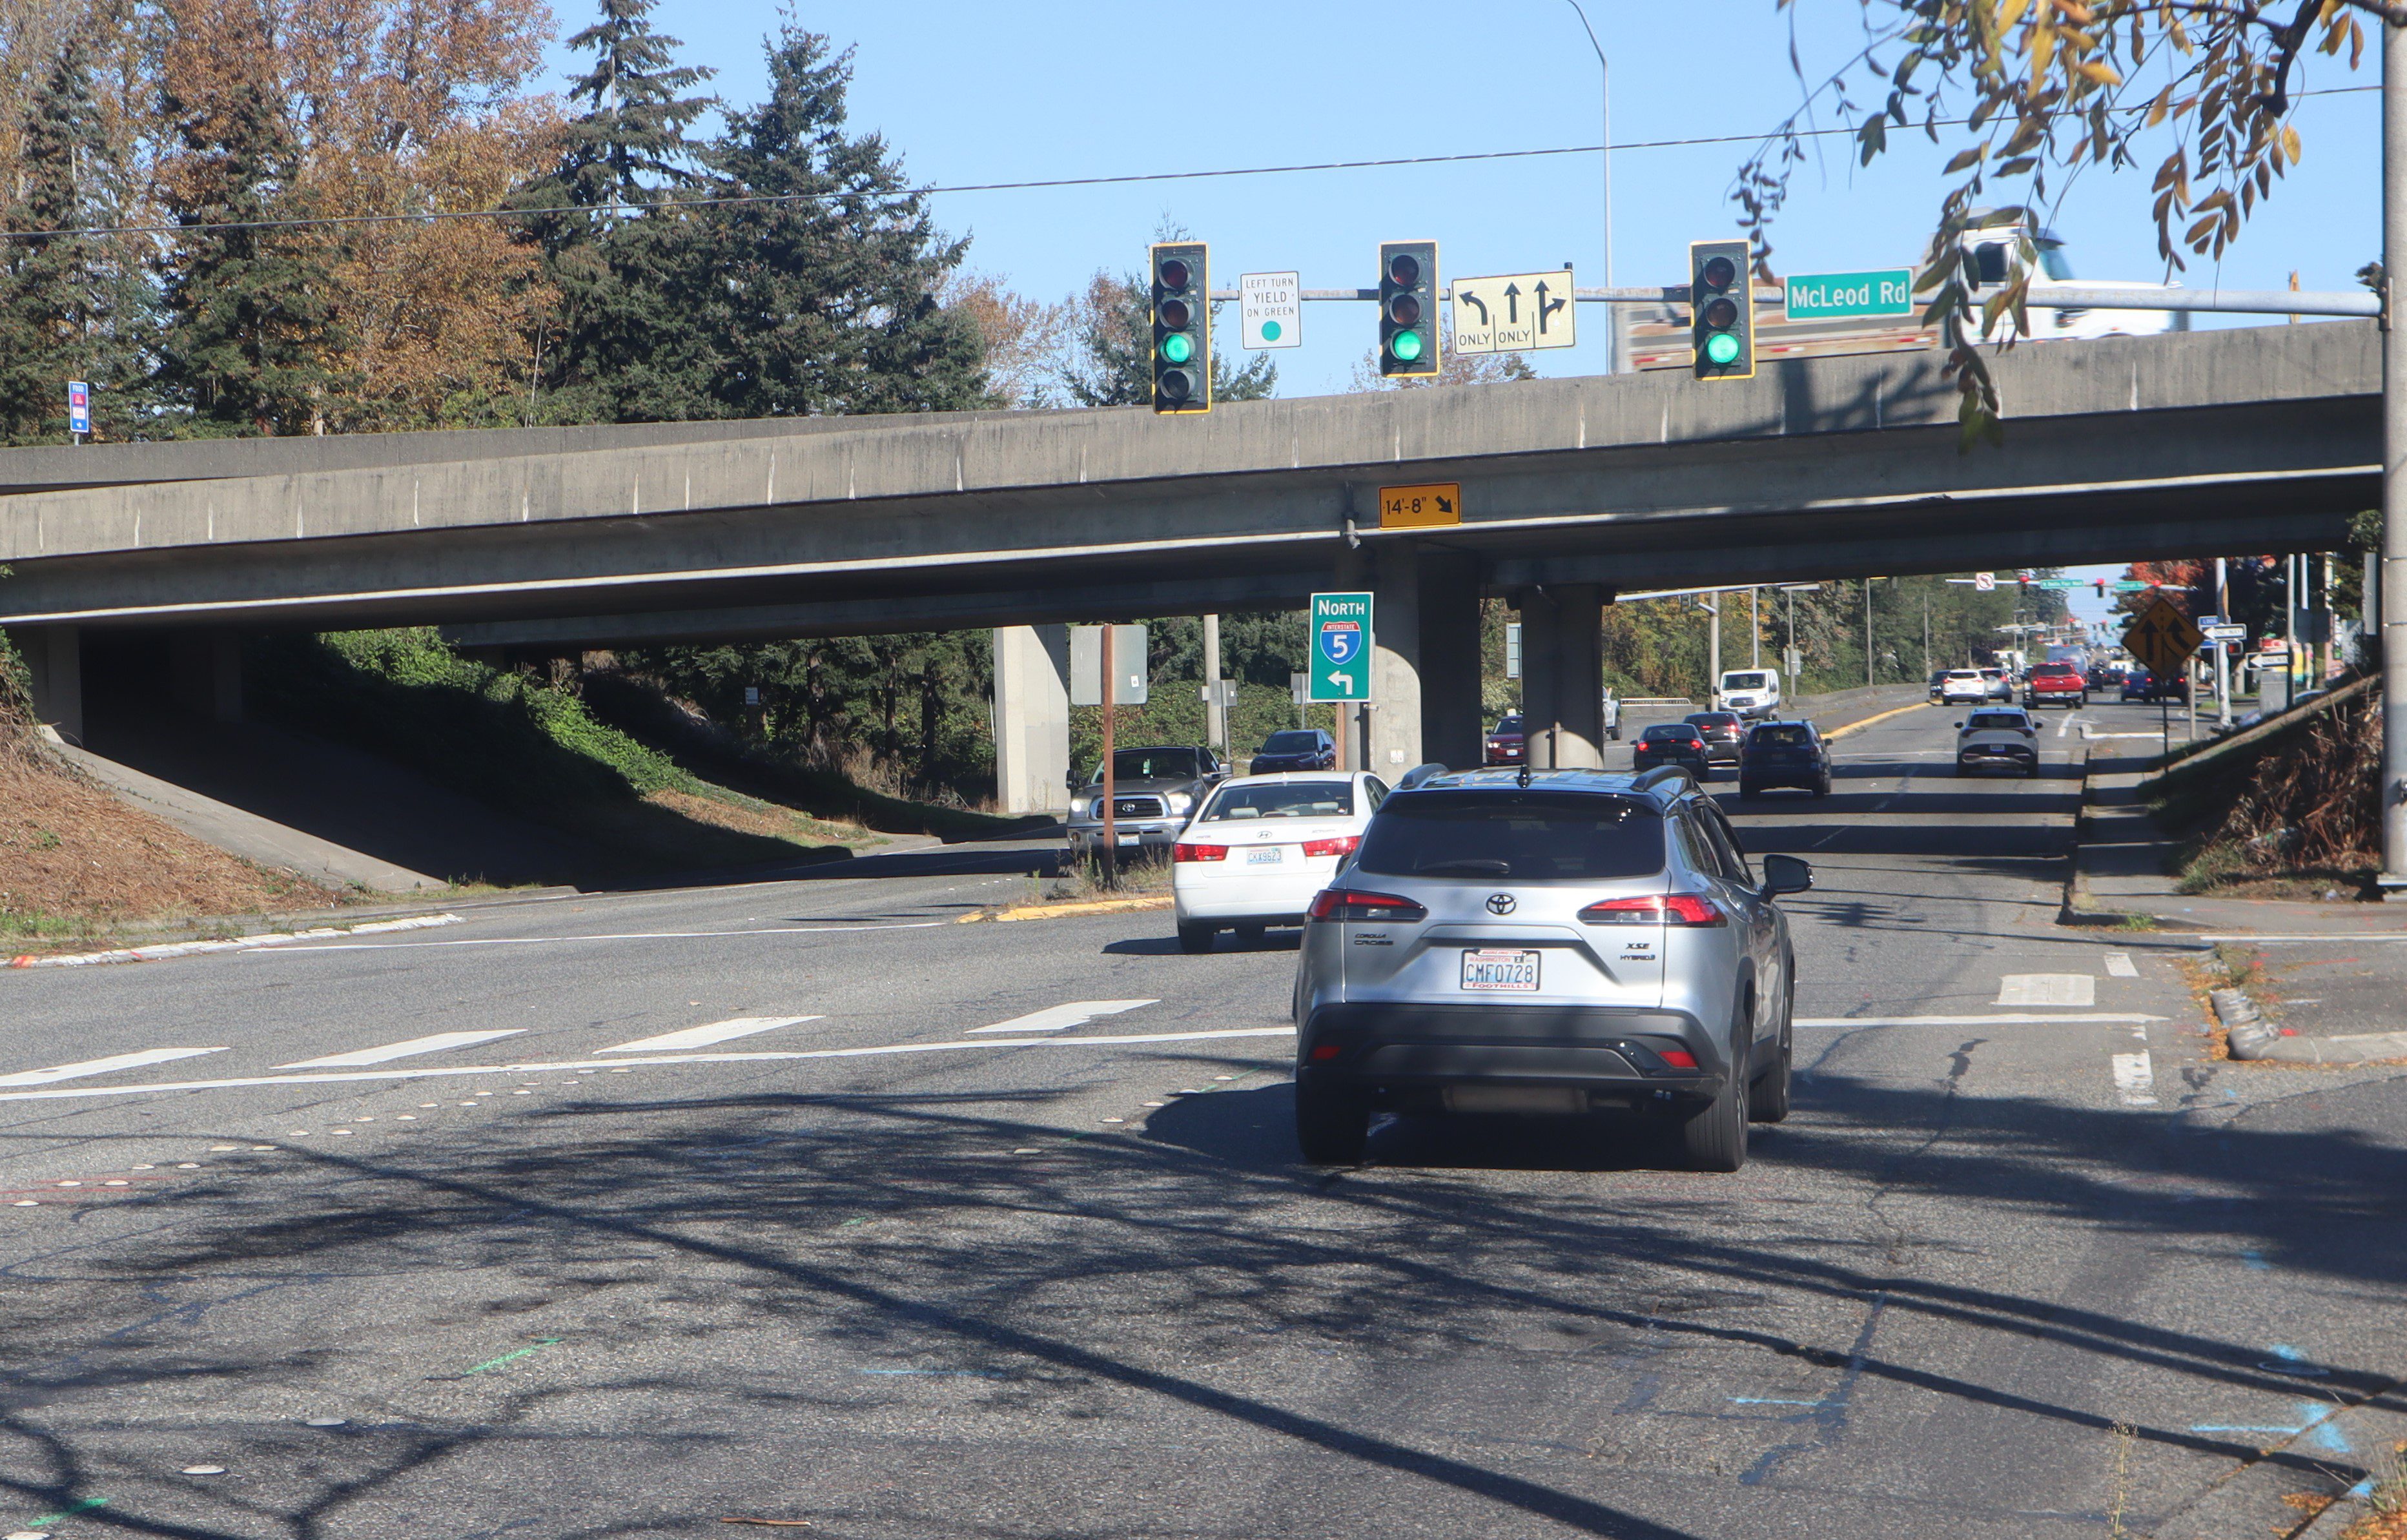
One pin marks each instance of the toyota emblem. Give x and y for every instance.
(1501, 903)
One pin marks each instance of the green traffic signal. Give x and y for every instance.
(1721, 348)
(1406, 346)
(1177, 346)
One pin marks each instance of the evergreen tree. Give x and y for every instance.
(630, 347)
(70, 305)
(826, 302)
(252, 306)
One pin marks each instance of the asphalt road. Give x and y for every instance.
(2024, 1262)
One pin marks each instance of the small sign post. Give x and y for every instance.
(79, 411)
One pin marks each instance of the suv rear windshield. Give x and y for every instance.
(1782, 735)
(1996, 721)
(1291, 743)
(1290, 799)
(1529, 836)
(1668, 733)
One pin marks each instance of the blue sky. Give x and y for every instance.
(1041, 89)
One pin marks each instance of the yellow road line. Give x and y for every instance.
(1854, 726)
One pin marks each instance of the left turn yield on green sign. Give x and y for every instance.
(1341, 647)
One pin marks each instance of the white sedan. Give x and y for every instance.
(1255, 853)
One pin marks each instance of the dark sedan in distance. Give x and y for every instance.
(1297, 748)
(1671, 743)
(1722, 731)
(1509, 744)
(1789, 753)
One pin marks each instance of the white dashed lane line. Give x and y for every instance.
(407, 1048)
(2135, 1079)
(1062, 1017)
(716, 1031)
(316, 948)
(102, 1066)
(2119, 965)
(2047, 989)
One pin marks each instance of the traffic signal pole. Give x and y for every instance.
(2394, 467)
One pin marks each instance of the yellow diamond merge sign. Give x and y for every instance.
(2162, 638)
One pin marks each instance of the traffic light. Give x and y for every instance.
(1721, 310)
(1182, 327)
(1408, 343)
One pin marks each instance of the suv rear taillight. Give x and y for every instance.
(1656, 909)
(1341, 845)
(1183, 851)
(1348, 905)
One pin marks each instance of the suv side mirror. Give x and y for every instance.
(1785, 875)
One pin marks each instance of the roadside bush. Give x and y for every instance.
(15, 703)
(2303, 802)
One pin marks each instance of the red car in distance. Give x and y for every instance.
(1510, 742)
(2055, 684)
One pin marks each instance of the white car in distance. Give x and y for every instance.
(1261, 847)
(1964, 687)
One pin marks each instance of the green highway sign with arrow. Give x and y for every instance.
(1341, 647)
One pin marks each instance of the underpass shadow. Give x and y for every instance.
(1167, 945)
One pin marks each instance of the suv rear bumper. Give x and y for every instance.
(1409, 1055)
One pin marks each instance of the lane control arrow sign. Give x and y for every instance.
(2162, 638)
(1341, 647)
(1514, 312)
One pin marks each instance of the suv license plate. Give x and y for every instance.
(1505, 972)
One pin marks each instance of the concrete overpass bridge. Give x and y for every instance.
(2262, 440)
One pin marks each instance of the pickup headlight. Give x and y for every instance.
(1181, 802)
(1079, 807)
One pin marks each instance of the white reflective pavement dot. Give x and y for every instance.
(430, 1104)
(27, 1202)
(407, 1117)
(521, 1094)
(1224, 1077)
(188, 1165)
(263, 1147)
(71, 1184)
(1157, 1103)
(205, 1470)
(219, 1149)
(154, 1168)
(1116, 1119)
(327, 1422)
(114, 1181)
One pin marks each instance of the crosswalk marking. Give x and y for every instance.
(716, 1031)
(2047, 989)
(2119, 965)
(1062, 1017)
(101, 1066)
(403, 1050)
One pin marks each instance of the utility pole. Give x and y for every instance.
(1868, 634)
(1110, 787)
(1216, 715)
(2393, 880)
(1925, 633)
(1713, 603)
(2222, 650)
(1605, 154)
(1755, 628)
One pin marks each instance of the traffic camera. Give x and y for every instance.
(1182, 327)
(1408, 341)
(1721, 310)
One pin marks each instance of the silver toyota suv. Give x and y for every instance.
(1561, 942)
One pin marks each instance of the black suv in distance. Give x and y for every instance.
(1297, 748)
(1722, 731)
(1671, 743)
(1789, 753)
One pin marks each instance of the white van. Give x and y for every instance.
(1754, 694)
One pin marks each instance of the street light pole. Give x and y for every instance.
(2393, 880)
(1605, 153)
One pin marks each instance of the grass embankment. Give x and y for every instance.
(684, 738)
(2290, 815)
(80, 867)
(531, 749)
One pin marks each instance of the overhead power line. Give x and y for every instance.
(761, 200)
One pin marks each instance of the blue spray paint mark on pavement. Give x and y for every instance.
(940, 1373)
(1772, 1400)
(2244, 1428)
(2256, 1261)
(2328, 1431)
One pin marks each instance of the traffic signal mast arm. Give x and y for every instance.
(2262, 302)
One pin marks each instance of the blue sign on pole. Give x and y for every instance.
(78, 408)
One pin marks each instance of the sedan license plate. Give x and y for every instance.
(1501, 972)
(1267, 855)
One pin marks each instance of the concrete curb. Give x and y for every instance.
(1070, 911)
(2249, 1037)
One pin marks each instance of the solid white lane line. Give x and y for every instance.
(2135, 1079)
(405, 1048)
(2337, 938)
(572, 940)
(102, 1066)
(238, 944)
(2047, 989)
(716, 1031)
(2052, 1019)
(572, 1065)
(1061, 1018)
(2119, 965)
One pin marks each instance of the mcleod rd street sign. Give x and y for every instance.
(1341, 647)
(1839, 296)
(2161, 637)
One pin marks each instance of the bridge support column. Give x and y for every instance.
(1453, 727)
(205, 674)
(1032, 719)
(1563, 676)
(1395, 731)
(54, 657)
